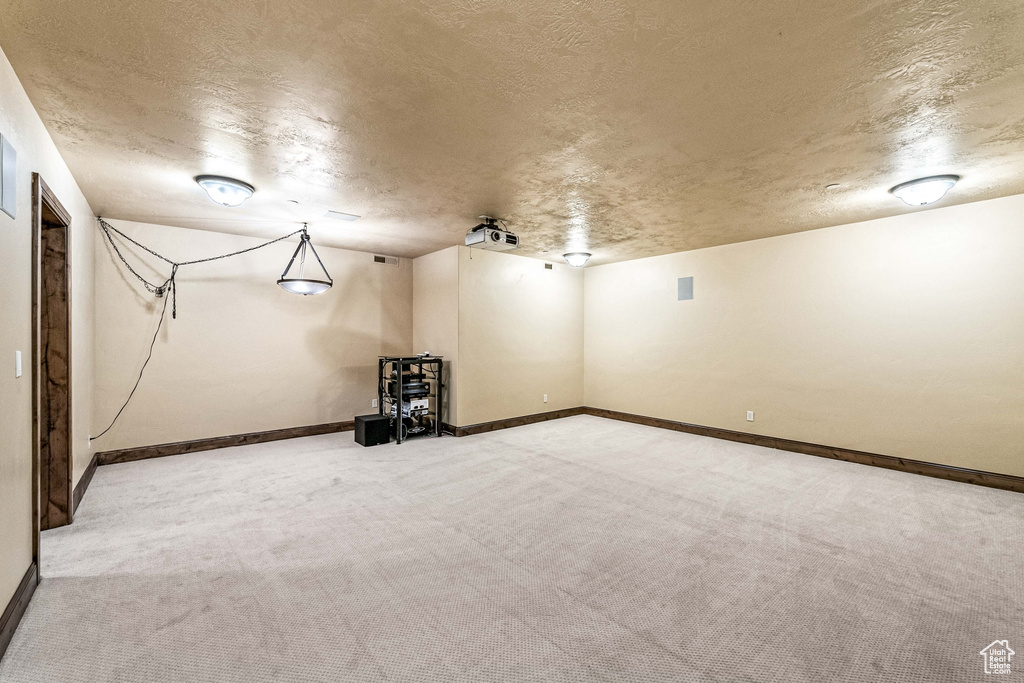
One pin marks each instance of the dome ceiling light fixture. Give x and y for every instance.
(576, 259)
(925, 190)
(225, 191)
(301, 284)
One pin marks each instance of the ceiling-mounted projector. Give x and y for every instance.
(488, 235)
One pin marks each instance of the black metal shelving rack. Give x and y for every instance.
(394, 368)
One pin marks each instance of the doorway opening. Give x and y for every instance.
(51, 345)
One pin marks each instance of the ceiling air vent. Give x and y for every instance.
(341, 216)
(387, 260)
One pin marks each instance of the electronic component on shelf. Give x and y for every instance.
(419, 406)
(409, 389)
(410, 376)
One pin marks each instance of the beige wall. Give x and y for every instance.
(902, 336)
(243, 354)
(436, 318)
(520, 336)
(20, 124)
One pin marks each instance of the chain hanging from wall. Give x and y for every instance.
(168, 289)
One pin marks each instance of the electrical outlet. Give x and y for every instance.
(545, 398)
(750, 416)
(373, 403)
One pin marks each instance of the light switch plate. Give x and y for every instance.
(17, 363)
(8, 178)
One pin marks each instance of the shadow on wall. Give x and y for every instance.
(447, 369)
(139, 293)
(347, 346)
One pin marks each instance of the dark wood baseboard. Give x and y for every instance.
(180, 447)
(981, 478)
(16, 607)
(928, 469)
(482, 427)
(83, 483)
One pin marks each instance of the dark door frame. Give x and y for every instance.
(47, 213)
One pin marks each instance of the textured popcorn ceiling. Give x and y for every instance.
(625, 128)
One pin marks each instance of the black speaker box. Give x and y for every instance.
(373, 429)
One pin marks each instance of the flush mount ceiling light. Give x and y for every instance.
(925, 190)
(301, 284)
(225, 191)
(577, 259)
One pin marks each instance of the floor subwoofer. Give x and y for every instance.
(372, 430)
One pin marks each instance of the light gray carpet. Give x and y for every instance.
(580, 549)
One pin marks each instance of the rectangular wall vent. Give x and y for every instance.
(388, 260)
(548, 266)
(685, 288)
(8, 178)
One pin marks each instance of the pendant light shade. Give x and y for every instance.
(301, 283)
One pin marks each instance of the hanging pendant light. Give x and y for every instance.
(301, 284)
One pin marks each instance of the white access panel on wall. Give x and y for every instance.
(8, 178)
(685, 288)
